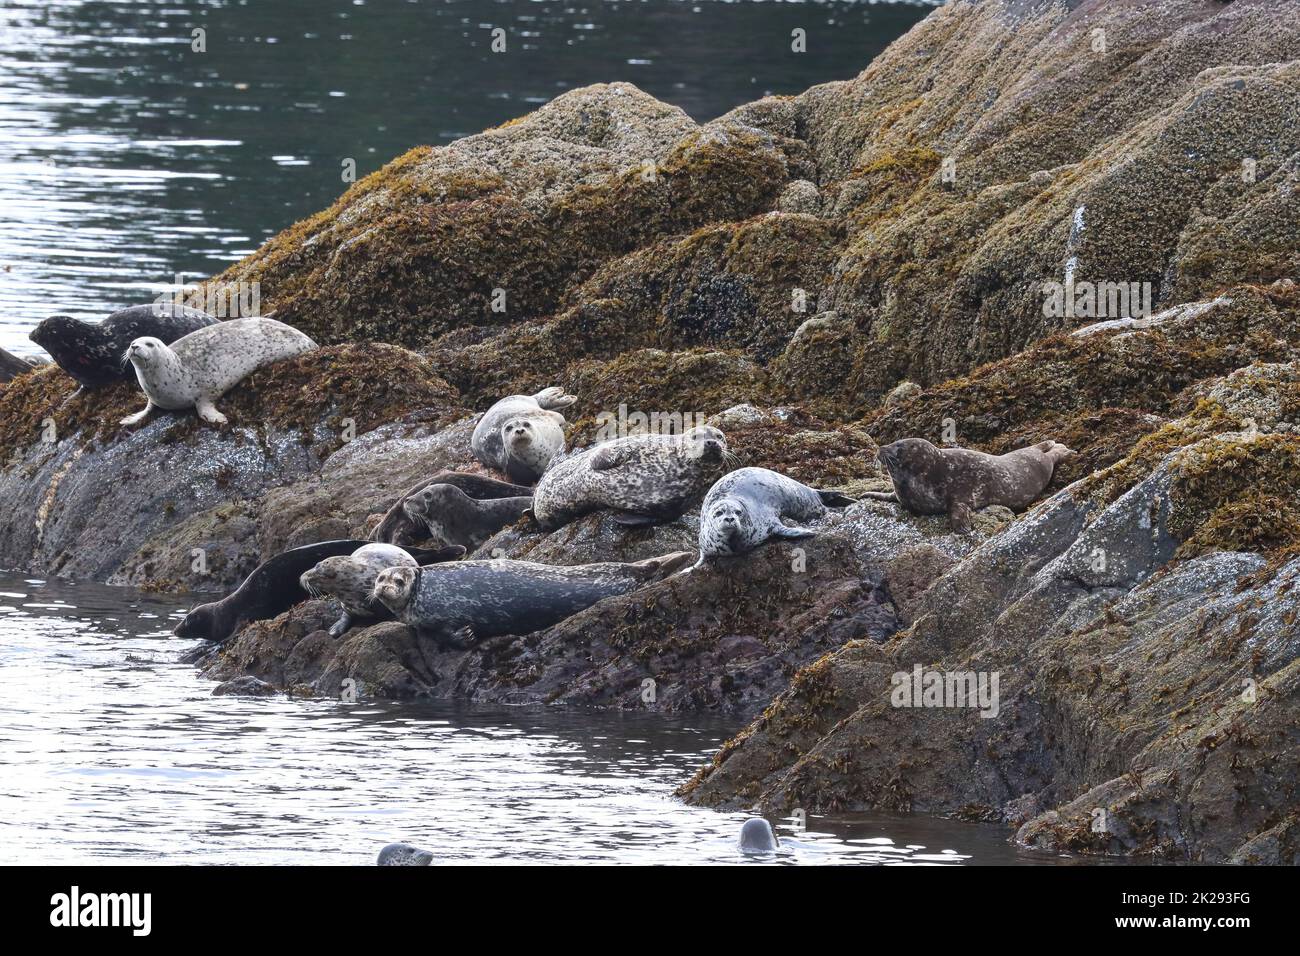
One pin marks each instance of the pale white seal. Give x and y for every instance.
(199, 368)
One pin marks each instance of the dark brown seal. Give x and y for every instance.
(453, 517)
(397, 527)
(958, 481)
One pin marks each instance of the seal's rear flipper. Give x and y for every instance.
(834, 499)
(793, 532)
(338, 628)
(629, 519)
(427, 556)
(554, 398)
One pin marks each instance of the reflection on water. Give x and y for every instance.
(127, 158)
(116, 752)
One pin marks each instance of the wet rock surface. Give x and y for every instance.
(817, 275)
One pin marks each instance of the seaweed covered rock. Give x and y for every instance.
(177, 503)
(1099, 393)
(1159, 619)
(493, 229)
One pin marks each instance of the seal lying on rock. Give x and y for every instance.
(202, 366)
(520, 434)
(646, 479)
(350, 579)
(274, 587)
(398, 527)
(958, 481)
(453, 517)
(11, 365)
(92, 352)
(459, 603)
(744, 508)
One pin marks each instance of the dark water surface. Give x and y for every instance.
(126, 158)
(114, 751)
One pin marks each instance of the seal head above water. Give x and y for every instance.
(959, 481)
(403, 854)
(197, 369)
(645, 479)
(757, 836)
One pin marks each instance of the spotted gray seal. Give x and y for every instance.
(453, 517)
(350, 580)
(403, 854)
(644, 479)
(744, 508)
(398, 527)
(199, 368)
(520, 434)
(274, 586)
(459, 603)
(91, 352)
(958, 481)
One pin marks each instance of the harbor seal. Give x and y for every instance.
(645, 479)
(273, 587)
(460, 603)
(199, 368)
(350, 579)
(12, 366)
(520, 434)
(453, 517)
(403, 854)
(744, 508)
(958, 481)
(92, 352)
(757, 836)
(397, 527)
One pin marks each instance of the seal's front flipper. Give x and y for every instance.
(208, 412)
(835, 499)
(459, 640)
(960, 517)
(140, 415)
(793, 532)
(342, 624)
(630, 519)
(880, 495)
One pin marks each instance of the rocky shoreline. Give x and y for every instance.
(816, 275)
